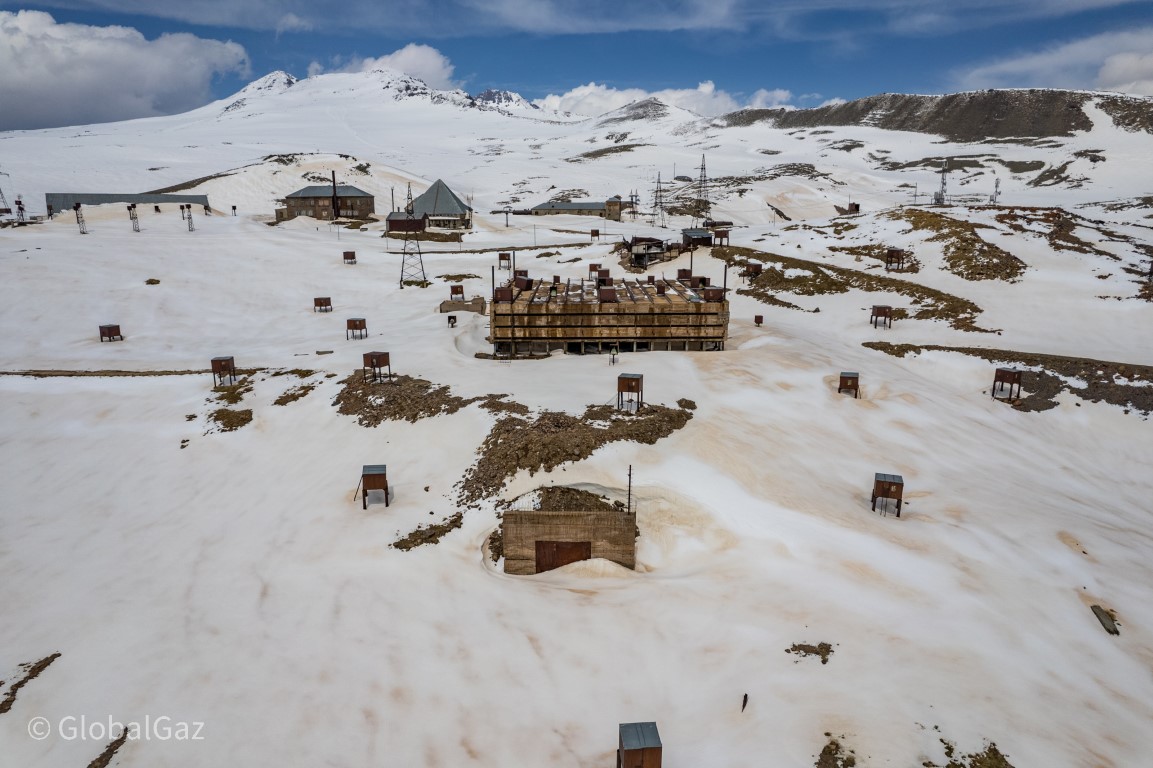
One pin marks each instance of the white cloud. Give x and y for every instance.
(427, 18)
(1113, 61)
(778, 97)
(71, 74)
(290, 22)
(420, 61)
(595, 99)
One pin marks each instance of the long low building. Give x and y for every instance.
(588, 316)
(64, 201)
(610, 209)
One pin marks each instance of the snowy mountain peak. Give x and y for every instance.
(504, 99)
(274, 82)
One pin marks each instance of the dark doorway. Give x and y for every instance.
(554, 554)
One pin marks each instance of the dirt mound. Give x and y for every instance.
(553, 438)
(405, 398)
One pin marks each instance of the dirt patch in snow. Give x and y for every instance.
(31, 672)
(615, 149)
(553, 438)
(989, 757)
(405, 398)
(877, 252)
(966, 254)
(230, 419)
(1123, 384)
(833, 755)
(1058, 226)
(429, 534)
(109, 752)
(809, 278)
(823, 650)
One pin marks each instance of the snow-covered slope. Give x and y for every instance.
(231, 578)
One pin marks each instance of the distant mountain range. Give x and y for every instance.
(969, 116)
(964, 117)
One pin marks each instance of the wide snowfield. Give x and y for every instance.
(238, 583)
(233, 579)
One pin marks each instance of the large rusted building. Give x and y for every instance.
(602, 314)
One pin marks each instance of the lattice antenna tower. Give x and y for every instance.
(412, 262)
(996, 191)
(702, 194)
(939, 196)
(635, 201)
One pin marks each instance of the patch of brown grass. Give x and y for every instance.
(879, 253)
(405, 399)
(553, 438)
(1132, 392)
(819, 279)
(967, 255)
(230, 420)
(294, 394)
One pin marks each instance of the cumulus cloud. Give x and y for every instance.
(595, 99)
(71, 74)
(1113, 61)
(420, 61)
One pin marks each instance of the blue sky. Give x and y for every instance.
(80, 61)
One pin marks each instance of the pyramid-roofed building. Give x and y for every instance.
(442, 208)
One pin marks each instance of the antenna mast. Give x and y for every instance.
(412, 262)
(996, 191)
(939, 197)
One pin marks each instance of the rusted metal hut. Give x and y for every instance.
(1007, 376)
(373, 477)
(850, 382)
(882, 314)
(888, 487)
(223, 369)
(639, 746)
